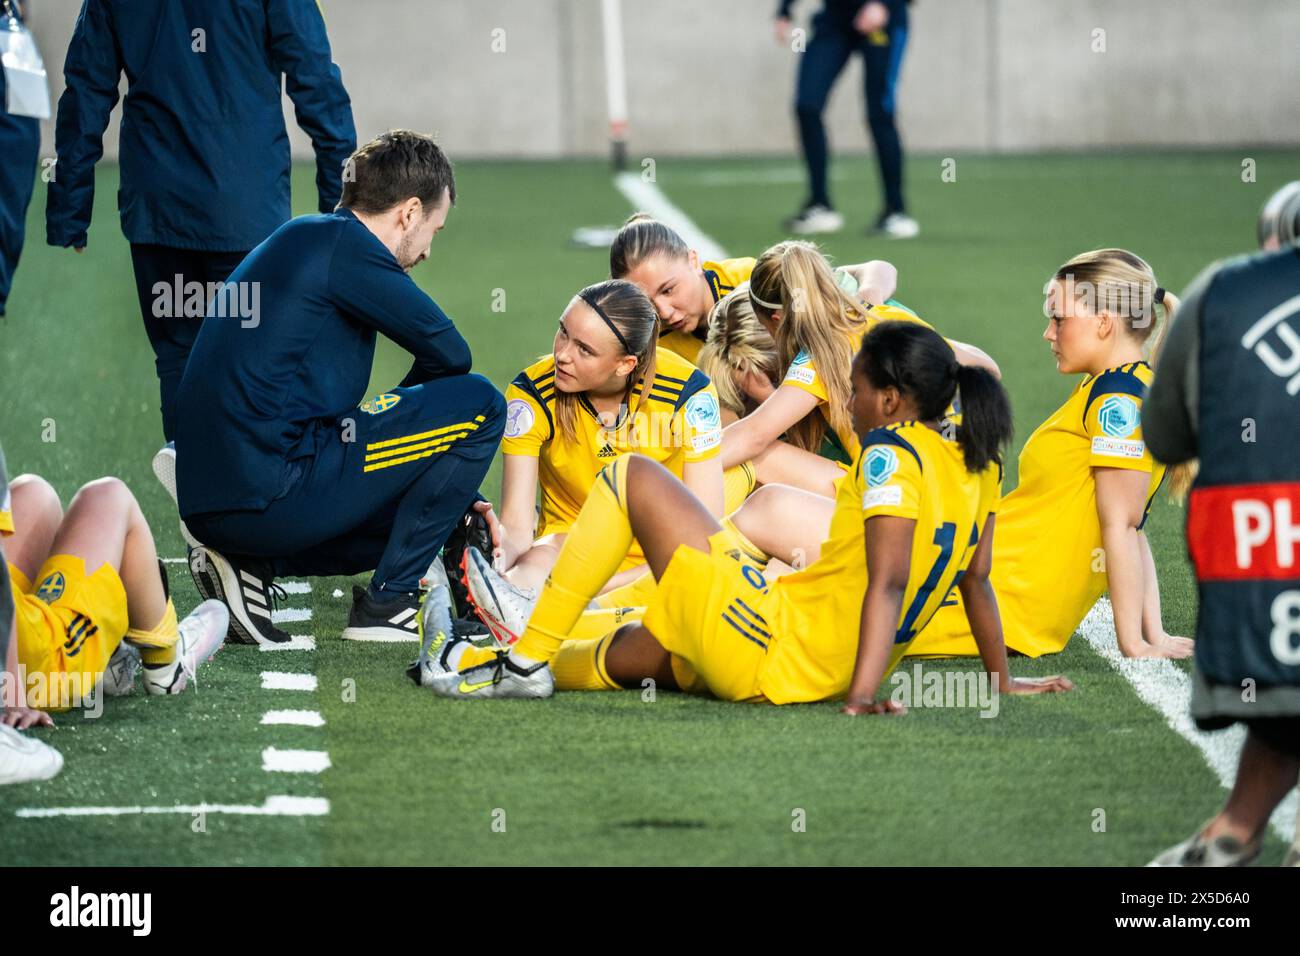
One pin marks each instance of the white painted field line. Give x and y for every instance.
(648, 197)
(295, 587)
(1165, 688)
(272, 807)
(279, 680)
(294, 718)
(283, 614)
(387, 639)
(294, 761)
(297, 642)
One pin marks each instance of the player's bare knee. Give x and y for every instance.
(35, 500)
(106, 495)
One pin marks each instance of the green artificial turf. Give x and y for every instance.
(616, 778)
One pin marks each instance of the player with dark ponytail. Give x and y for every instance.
(917, 505)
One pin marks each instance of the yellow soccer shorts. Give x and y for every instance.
(69, 624)
(738, 483)
(707, 612)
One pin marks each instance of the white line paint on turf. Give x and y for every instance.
(294, 718)
(1167, 689)
(295, 587)
(279, 680)
(649, 197)
(385, 638)
(297, 642)
(294, 761)
(284, 614)
(272, 807)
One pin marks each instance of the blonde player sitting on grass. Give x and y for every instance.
(92, 599)
(913, 519)
(1072, 529)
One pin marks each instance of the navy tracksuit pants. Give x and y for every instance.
(827, 54)
(20, 143)
(382, 490)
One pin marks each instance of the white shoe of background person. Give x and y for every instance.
(896, 225)
(815, 219)
(24, 759)
(164, 469)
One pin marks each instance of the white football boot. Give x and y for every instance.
(439, 647)
(119, 675)
(1196, 850)
(504, 608)
(24, 759)
(201, 635)
(498, 678)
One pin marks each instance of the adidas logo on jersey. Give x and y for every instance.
(607, 452)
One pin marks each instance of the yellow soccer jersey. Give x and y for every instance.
(1047, 568)
(679, 422)
(723, 277)
(802, 373)
(908, 470)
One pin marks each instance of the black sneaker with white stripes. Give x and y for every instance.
(392, 621)
(246, 587)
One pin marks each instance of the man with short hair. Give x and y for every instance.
(280, 470)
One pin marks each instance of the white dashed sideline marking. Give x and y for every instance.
(291, 614)
(295, 718)
(279, 680)
(298, 642)
(385, 638)
(295, 587)
(294, 761)
(272, 807)
(1167, 689)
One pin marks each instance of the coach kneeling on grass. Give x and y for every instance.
(280, 470)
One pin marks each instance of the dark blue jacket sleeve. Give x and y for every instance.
(90, 70)
(300, 48)
(368, 284)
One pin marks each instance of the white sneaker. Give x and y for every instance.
(164, 469)
(119, 675)
(504, 608)
(897, 225)
(201, 635)
(24, 759)
(498, 678)
(815, 219)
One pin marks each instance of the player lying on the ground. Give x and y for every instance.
(88, 581)
(913, 519)
(684, 288)
(817, 326)
(1072, 528)
(605, 390)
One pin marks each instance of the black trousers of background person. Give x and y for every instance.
(171, 336)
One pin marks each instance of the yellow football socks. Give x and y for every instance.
(580, 665)
(158, 644)
(592, 553)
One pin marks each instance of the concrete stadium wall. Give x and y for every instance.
(707, 76)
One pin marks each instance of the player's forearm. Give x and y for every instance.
(1152, 626)
(881, 606)
(1124, 579)
(740, 443)
(981, 605)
